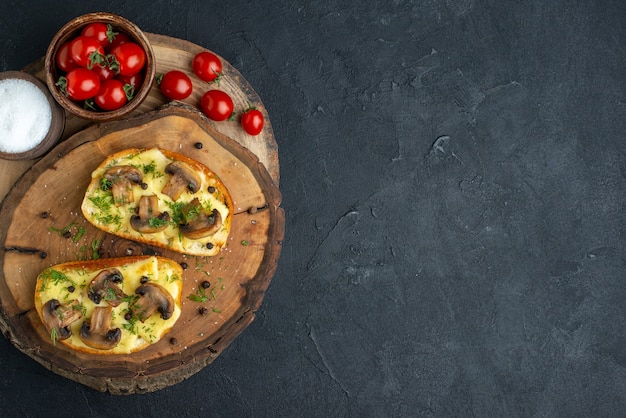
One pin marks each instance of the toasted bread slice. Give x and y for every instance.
(110, 306)
(161, 198)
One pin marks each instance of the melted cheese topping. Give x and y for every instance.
(99, 208)
(53, 283)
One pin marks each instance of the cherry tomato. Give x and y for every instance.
(217, 105)
(130, 58)
(252, 121)
(135, 80)
(81, 84)
(103, 71)
(118, 39)
(176, 85)
(207, 66)
(64, 59)
(86, 51)
(111, 95)
(100, 31)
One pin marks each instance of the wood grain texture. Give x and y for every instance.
(54, 185)
(239, 275)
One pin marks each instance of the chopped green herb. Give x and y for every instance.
(131, 325)
(80, 307)
(54, 336)
(183, 213)
(102, 202)
(132, 156)
(79, 233)
(55, 277)
(130, 299)
(81, 253)
(200, 296)
(200, 262)
(95, 247)
(149, 168)
(63, 231)
(172, 278)
(157, 222)
(105, 184)
(109, 219)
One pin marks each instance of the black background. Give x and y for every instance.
(453, 176)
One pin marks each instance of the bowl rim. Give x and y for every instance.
(57, 122)
(70, 29)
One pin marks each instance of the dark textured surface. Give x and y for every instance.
(453, 174)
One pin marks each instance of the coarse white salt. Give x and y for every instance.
(25, 115)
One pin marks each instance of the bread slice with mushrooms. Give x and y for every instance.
(109, 306)
(161, 198)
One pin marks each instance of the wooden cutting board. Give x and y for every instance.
(44, 202)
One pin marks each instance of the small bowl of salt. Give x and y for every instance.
(31, 121)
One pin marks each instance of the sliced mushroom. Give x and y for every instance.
(98, 333)
(121, 179)
(152, 298)
(148, 219)
(105, 286)
(182, 177)
(57, 318)
(202, 224)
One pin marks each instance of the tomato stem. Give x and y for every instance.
(89, 104)
(129, 89)
(62, 84)
(217, 79)
(111, 35)
(113, 63)
(96, 58)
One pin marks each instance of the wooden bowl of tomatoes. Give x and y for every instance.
(100, 66)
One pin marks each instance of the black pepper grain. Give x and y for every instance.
(184, 265)
(128, 316)
(144, 279)
(205, 284)
(198, 145)
(203, 311)
(71, 289)
(144, 186)
(173, 340)
(43, 254)
(209, 245)
(211, 189)
(67, 234)
(44, 215)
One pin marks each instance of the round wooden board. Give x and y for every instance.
(239, 275)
